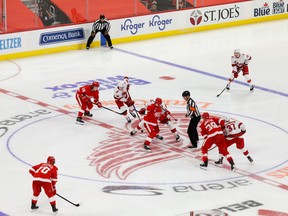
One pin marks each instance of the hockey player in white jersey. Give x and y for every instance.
(240, 63)
(233, 131)
(122, 98)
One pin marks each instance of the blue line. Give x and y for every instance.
(201, 72)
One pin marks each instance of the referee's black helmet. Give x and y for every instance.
(102, 16)
(185, 93)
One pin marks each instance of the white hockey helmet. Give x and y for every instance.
(237, 51)
(121, 85)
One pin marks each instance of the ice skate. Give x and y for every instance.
(79, 121)
(54, 209)
(250, 159)
(133, 132)
(204, 165)
(128, 119)
(251, 88)
(233, 168)
(34, 207)
(147, 148)
(228, 87)
(219, 163)
(87, 113)
(133, 114)
(159, 137)
(177, 137)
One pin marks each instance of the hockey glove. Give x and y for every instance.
(142, 111)
(98, 103)
(235, 73)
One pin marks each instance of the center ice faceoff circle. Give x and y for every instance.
(117, 157)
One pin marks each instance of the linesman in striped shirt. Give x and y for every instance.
(101, 25)
(195, 116)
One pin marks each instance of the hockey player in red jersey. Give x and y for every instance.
(84, 97)
(213, 134)
(233, 131)
(150, 122)
(165, 118)
(44, 176)
(122, 98)
(240, 63)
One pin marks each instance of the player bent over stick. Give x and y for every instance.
(165, 118)
(84, 95)
(233, 131)
(240, 63)
(44, 176)
(213, 134)
(122, 98)
(150, 123)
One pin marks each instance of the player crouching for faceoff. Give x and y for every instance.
(240, 63)
(150, 122)
(44, 176)
(84, 95)
(213, 134)
(233, 131)
(122, 98)
(165, 118)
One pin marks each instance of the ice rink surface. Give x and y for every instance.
(102, 167)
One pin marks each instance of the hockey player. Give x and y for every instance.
(213, 134)
(44, 176)
(233, 131)
(122, 98)
(240, 63)
(165, 118)
(84, 97)
(150, 122)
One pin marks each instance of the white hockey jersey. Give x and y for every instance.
(121, 91)
(238, 63)
(234, 129)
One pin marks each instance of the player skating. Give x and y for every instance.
(240, 63)
(123, 99)
(84, 97)
(213, 134)
(44, 176)
(150, 122)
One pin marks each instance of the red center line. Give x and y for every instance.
(113, 128)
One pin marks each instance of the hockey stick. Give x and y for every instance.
(134, 107)
(113, 110)
(75, 204)
(225, 87)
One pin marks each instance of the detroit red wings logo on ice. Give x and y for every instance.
(121, 155)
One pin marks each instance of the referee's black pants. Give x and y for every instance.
(192, 130)
(107, 37)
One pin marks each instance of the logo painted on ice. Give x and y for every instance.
(121, 155)
(129, 26)
(161, 24)
(196, 17)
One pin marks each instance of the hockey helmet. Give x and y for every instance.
(95, 84)
(185, 93)
(102, 16)
(158, 101)
(51, 160)
(205, 115)
(237, 51)
(122, 84)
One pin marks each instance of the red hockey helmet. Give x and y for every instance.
(51, 160)
(158, 101)
(95, 84)
(205, 115)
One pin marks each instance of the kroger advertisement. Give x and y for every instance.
(177, 21)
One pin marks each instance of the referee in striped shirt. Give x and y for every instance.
(195, 116)
(101, 25)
